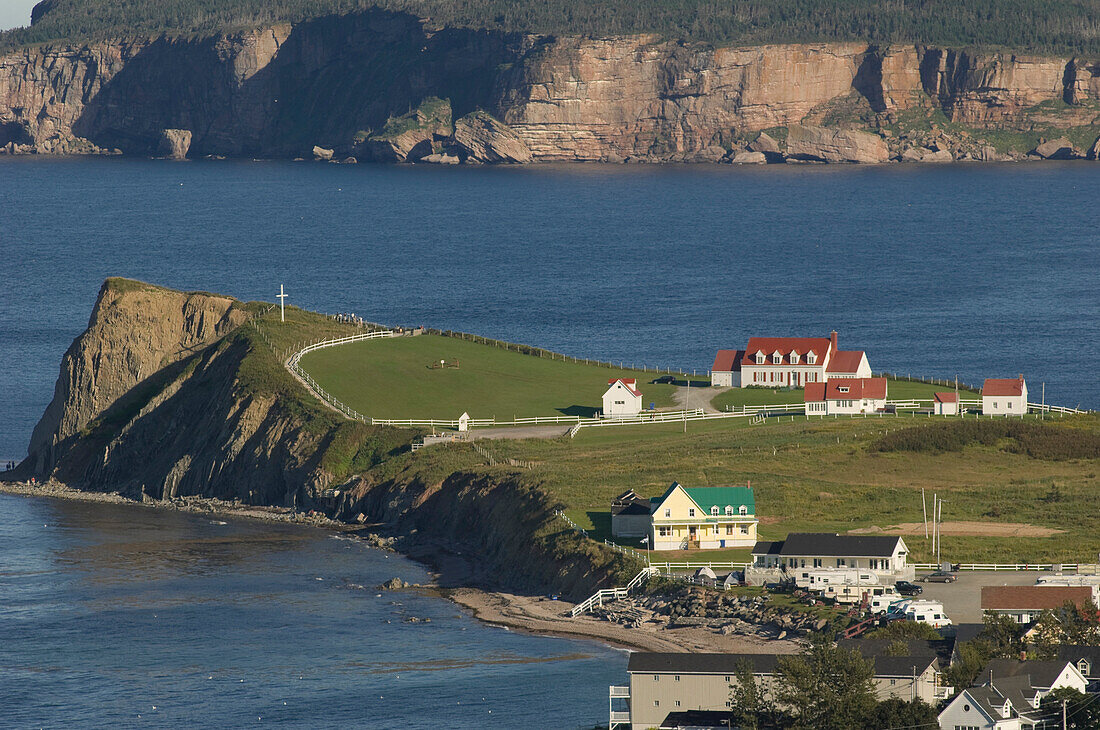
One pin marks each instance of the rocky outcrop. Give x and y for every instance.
(480, 138)
(820, 144)
(174, 143)
(322, 154)
(1094, 151)
(339, 81)
(1057, 149)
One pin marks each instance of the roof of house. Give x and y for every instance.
(1032, 598)
(703, 663)
(845, 361)
(784, 345)
(707, 497)
(1077, 653)
(1003, 386)
(634, 508)
(628, 383)
(727, 361)
(991, 698)
(946, 397)
(830, 545)
(914, 647)
(698, 719)
(873, 388)
(1040, 674)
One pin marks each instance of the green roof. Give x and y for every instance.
(707, 497)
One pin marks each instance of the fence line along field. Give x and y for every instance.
(433, 376)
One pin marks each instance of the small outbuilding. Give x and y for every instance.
(946, 404)
(845, 396)
(1004, 396)
(630, 515)
(622, 399)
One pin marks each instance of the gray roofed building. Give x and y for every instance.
(831, 544)
(803, 552)
(1085, 658)
(1009, 694)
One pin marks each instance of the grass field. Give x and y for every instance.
(895, 390)
(821, 476)
(391, 378)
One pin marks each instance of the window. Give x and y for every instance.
(842, 388)
(793, 357)
(656, 703)
(664, 531)
(893, 682)
(727, 679)
(776, 358)
(656, 677)
(714, 511)
(759, 358)
(743, 510)
(817, 562)
(729, 509)
(1083, 667)
(729, 529)
(811, 357)
(668, 513)
(744, 530)
(676, 702)
(677, 677)
(691, 511)
(840, 563)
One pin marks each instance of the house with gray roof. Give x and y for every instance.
(802, 553)
(1008, 695)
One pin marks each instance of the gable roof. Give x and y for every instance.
(873, 388)
(1033, 598)
(845, 361)
(1039, 674)
(784, 345)
(1077, 653)
(707, 497)
(727, 361)
(698, 719)
(831, 545)
(628, 383)
(1003, 386)
(946, 397)
(713, 663)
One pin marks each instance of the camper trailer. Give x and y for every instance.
(923, 611)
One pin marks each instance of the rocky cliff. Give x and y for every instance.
(278, 91)
(173, 394)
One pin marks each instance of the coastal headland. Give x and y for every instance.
(182, 398)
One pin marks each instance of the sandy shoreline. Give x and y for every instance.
(454, 579)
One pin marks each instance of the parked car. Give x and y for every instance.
(906, 588)
(940, 576)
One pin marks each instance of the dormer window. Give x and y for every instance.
(811, 357)
(743, 510)
(842, 388)
(1083, 667)
(729, 511)
(777, 357)
(793, 357)
(714, 511)
(760, 358)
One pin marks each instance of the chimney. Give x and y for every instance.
(1023, 656)
(832, 340)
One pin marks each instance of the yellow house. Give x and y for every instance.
(703, 518)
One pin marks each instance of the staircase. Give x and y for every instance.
(610, 594)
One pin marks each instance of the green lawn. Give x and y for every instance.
(895, 390)
(391, 378)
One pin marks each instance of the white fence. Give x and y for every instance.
(610, 594)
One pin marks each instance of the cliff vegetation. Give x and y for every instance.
(1058, 26)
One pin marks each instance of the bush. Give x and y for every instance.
(1037, 440)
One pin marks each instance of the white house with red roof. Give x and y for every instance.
(622, 399)
(1004, 396)
(775, 362)
(945, 404)
(845, 396)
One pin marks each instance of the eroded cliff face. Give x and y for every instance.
(278, 91)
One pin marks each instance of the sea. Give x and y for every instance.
(114, 615)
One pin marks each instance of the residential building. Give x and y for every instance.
(630, 515)
(1085, 658)
(774, 362)
(622, 399)
(838, 396)
(1004, 397)
(804, 552)
(663, 683)
(1009, 695)
(1026, 603)
(688, 518)
(945, 404)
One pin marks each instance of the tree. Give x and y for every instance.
(1001, 638)
(1082, 711)
(750, 704)
(828, 688)
(904, 631)
(899, 713)
(1069, 625)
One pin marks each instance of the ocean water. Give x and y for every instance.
(120, 616)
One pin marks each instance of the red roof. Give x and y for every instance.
(845, 361)
(871, 388)
(629, 383)
(727, 361)
(768, 345)
(1003, 386)
(1033, 598)
(946, 397)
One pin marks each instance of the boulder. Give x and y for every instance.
(320, 153)
(749, 158)
(1056, 149)
(482, 138)
(764, 143)
(410, 136)
(1094, 151)
(175, 143)
(822, 144)
(440, 158)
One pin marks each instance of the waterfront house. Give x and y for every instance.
(774, 362)
(688, 518)
(802, 553)
(630, 516)
(1008, 694)
(1004, 396)
(1026, 603)
(946, 404)
(622, 399)
(663, 683)
(841, 396)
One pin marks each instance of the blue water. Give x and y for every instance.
(117, 616)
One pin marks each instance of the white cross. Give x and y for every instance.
(282, 304)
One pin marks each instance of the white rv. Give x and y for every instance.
(923, 611)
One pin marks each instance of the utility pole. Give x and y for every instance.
(1063, 714)
(924, 509)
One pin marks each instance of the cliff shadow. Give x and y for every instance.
(326, 80)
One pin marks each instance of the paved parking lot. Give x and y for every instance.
(962, 600)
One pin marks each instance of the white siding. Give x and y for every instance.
(620, 402)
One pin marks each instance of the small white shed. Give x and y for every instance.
(1004, 396)
(622, 400)
(946, 404)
